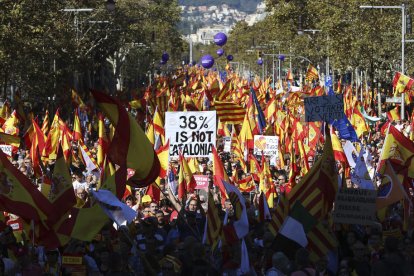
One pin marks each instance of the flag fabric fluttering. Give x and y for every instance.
(345, 129)
(229, 112)
(311, 74)
(214, 224)
(129, 146)
(402, 83)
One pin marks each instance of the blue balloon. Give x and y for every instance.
(260, 61)
(281, 57)
(230, 57)
(220, 39)
(220, 52)
(165, 57)
(207, 61)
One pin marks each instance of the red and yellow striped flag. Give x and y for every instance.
(45, 125)
(230, 113)
(102, 141)
(214, 224)
(77, 130)
(312, 73)
(129, 146)
(38, 144)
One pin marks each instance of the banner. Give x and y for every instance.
(324, 108)
(7, 149)
(226, 144)
(202, 181)
(193, 133)
(266, 144)
(355, 206)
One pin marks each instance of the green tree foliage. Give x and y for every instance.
(46, 49)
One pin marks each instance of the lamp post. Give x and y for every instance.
(402, 7)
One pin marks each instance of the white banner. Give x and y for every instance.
(227, 144)
(192, 132)
(7, 149)
(267, 144)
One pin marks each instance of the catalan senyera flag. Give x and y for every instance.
(19, 196)
(61, 195)
(230, 112)
(399, 150)
(317, 189)
(214, 225)
(77, 130)
(321, 241)
(37, 146)
(102, 141)
(129, 146)
(45, 125)
(163, 154)
(312, 73)
(402, 83)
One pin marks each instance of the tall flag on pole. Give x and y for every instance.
(260, 115)
(129, 146)
(402, 83)
(312, 74)
(102, 141)
(77, 130)
(45, 125)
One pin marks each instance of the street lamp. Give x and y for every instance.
(402, 7)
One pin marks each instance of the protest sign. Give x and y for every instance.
(193, 133)
(201, 181)
(226, 144)
(266, 144)
(7, 149)
(324, 108)
(355, 206)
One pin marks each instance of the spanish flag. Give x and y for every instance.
(77, 130)
(402, 83)
(38, 144)
(394, 114)
(19, 196)
(186, 181)
(76, 100)
(113, 179)
(129, 146)
(163, 154)
(102, 141)
(61, 193)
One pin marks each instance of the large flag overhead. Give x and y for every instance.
(402, 83)
(399, 150)
(129, 146)
(19, 196)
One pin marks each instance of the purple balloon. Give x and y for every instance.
(165, 57)
(230, 57)
(281, 57)
(207, 61)
(220, 52)
(260, 61)
(220, 39)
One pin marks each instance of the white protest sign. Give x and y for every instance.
(324, 108)
(7, 149)
(267, 144)
(355, 206)
(192, 132)
(226, 144)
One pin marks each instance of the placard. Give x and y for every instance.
(355, 206)
(202, 181)
(269, 145)
(226, 144)
(393, 100)
(324, 108)
(7, 149)
(193, 133)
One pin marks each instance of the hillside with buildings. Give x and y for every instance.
(201, 22)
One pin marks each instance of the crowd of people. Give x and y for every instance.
(167, 236)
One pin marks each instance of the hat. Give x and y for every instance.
(146, 199)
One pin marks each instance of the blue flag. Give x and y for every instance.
(345, 129)
(260, 116)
